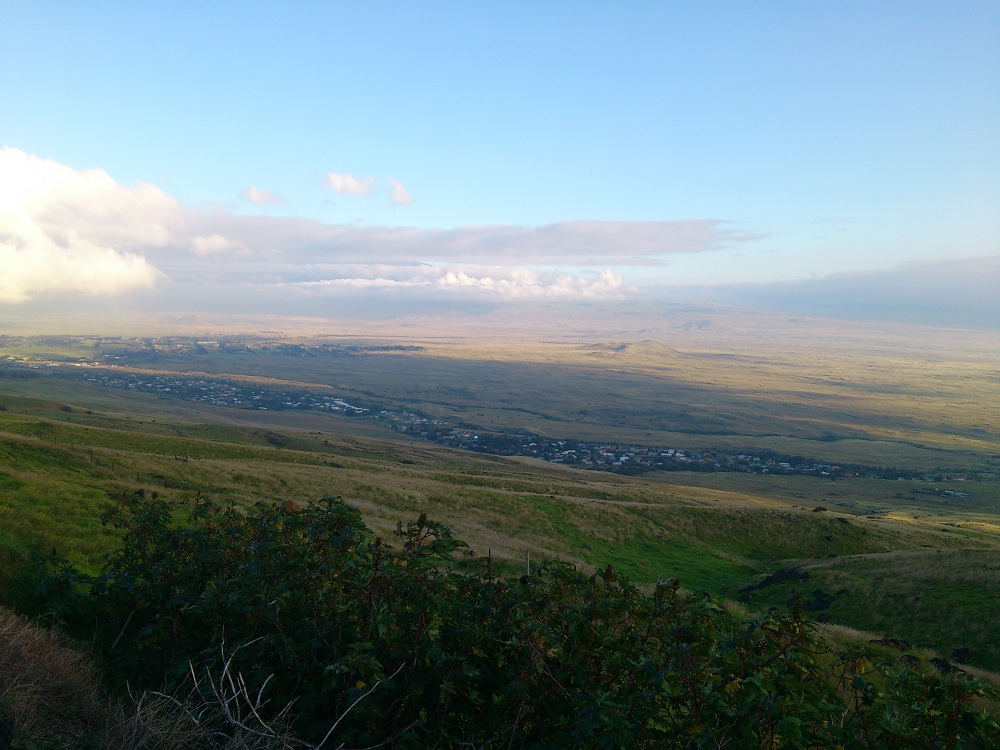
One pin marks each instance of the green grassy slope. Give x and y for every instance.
(720, 534)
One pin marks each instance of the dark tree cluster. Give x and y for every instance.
(416, 644)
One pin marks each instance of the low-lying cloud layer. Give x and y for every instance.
(517, 284)
(64, 230)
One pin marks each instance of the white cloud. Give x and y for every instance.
(507, 284)
(531, 285)
(400, 195)
(64, 230)
(260, 197)
(347, 184)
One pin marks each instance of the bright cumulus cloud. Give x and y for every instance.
(64, 230)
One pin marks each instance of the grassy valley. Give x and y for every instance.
(914, 559)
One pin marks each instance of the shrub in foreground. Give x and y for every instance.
(387, 644)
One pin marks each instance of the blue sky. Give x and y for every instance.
(523, 148)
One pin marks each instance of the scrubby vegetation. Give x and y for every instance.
(281, 613)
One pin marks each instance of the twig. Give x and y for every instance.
(349, 708)
(127, 621)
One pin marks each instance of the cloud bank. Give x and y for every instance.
(574, 243)
(79, 232)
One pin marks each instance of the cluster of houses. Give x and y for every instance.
(235, 394)
(124, 350)
(614, 457)
(626, 458)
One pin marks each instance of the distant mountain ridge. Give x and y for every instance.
(960, 293)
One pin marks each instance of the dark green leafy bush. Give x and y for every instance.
(402, 650)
